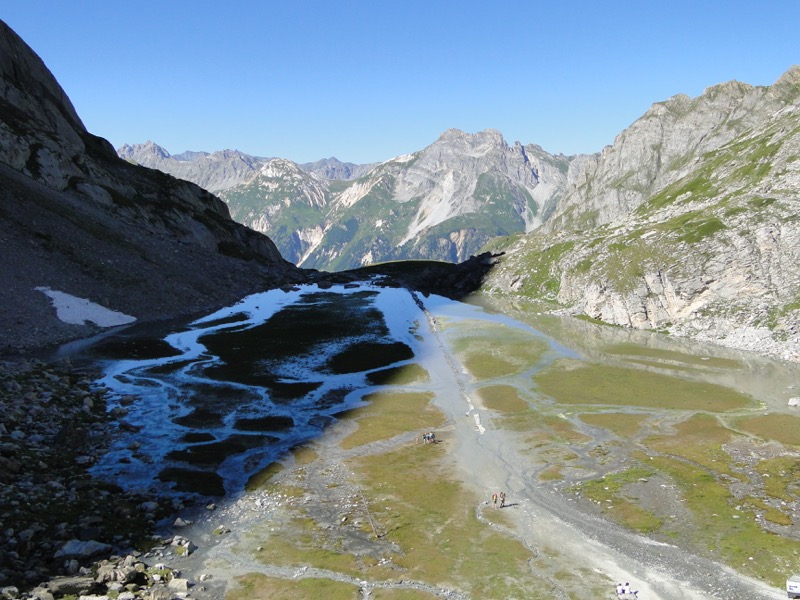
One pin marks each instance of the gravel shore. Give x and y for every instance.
(57, 519)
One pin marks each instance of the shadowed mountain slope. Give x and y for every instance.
(76, 218)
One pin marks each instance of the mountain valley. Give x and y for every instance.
(686, 224)
(317, 375)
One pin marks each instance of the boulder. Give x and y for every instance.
(70, 586)
(178, 585)
(80, 550)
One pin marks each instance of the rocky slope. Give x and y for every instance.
(687, 223)
(78, 219)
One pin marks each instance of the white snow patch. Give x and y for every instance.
(478, 426)
(76, 311)
(403, 158)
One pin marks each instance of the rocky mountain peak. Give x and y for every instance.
(483, 140)
(334, 169)
(149, 151)
(788, 84)
(29, 87)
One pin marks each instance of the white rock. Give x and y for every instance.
(80, 549)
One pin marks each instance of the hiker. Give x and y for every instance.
(494, 499)
(626, 589)
(502, 499)
(619, 589)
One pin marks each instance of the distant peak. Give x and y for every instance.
(454, 133)
(790, 77)
(151, 146)
(451, 134)
(148, 148)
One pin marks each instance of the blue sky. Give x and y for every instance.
(369, 80)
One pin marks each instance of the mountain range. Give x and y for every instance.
(444, 202)
(686, 223)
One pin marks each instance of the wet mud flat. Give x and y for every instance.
(608, 453)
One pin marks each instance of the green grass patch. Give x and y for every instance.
(729, 535)
(492, 350)
(301, 542)
(609, 492)
(303, 455)
(261, 479)
(432, 519)
(780, 428)
(692, 227)
(771, 514)
(671, 356)
(572, 382)
(503, 398)
(390, 414)
(403, 375)
(781, 477)
(627, 262)
(552, 473)
(542, 278)
(256, 585)
(623, 425)
(698, 439)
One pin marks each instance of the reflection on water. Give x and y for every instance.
(769, 381)
(215, 402)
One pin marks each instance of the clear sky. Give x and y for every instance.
(369, 80)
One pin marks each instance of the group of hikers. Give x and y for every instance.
(428, 437)
(625, 591)
(501, 496)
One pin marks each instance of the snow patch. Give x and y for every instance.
(76, 311)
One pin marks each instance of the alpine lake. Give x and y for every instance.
(314, 402)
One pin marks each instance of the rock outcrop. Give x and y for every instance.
(687, 223)
(78, 219)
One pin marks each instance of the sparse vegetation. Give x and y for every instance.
(615, 386)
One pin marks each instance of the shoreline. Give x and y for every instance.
(475, 455)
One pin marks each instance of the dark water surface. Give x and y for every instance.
(210, 405)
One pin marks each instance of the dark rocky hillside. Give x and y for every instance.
(77, 219)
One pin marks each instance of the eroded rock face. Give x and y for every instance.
(687, 223)
(78, 219)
